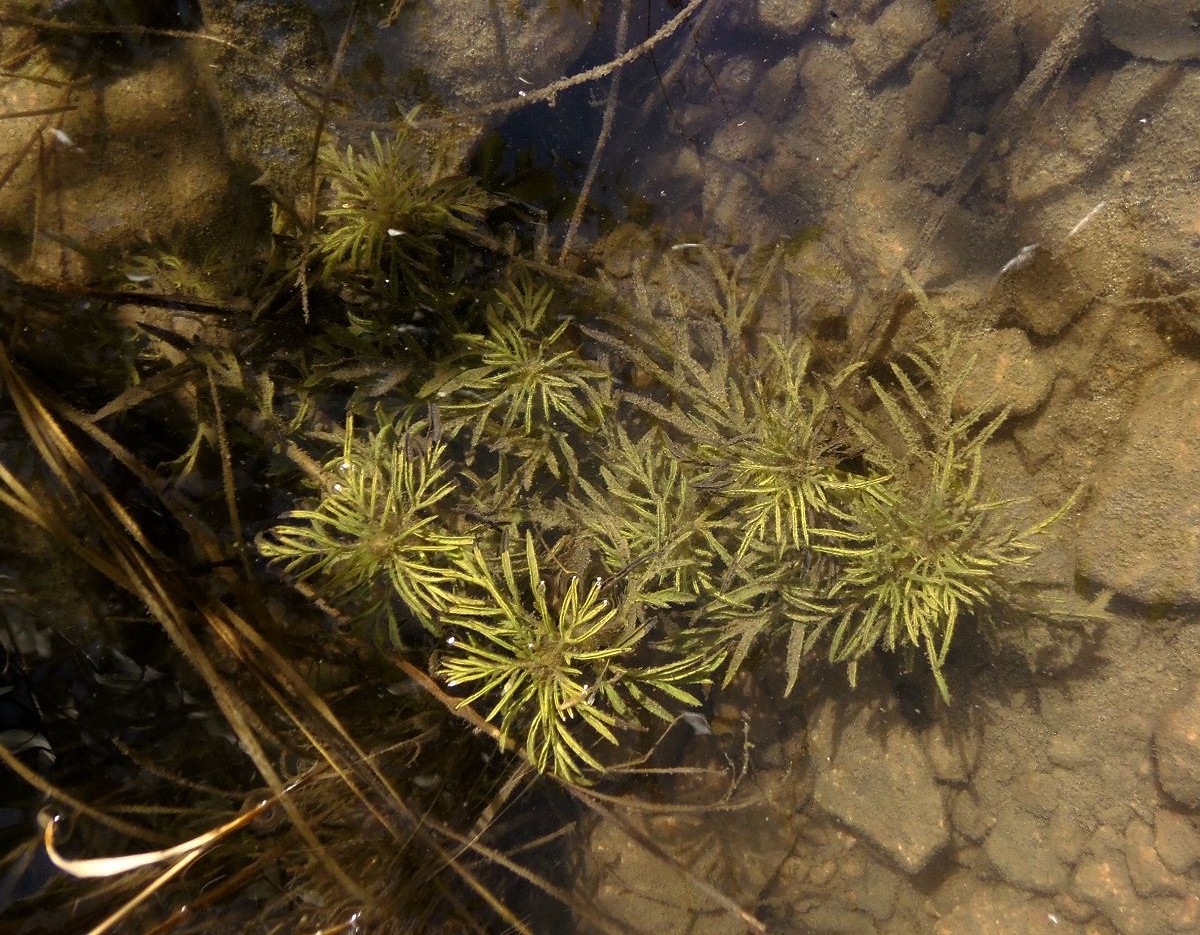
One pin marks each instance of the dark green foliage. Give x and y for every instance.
(395, 210)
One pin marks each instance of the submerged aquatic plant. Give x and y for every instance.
(521, 371)
(394, 209)
(778, 463)
(752, 421)
(818, 526)
(924, 547)
(741, 499)
(555, 668)
(522, 385)
(646, 520)
(914, 562)
(380, 520)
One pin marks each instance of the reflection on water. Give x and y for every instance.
(1029, 165)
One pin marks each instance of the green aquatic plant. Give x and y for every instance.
(823, 526)
(916, 561)
(747, 413)
(775, 454)
(741, 498)
(379, 521)
(763, 599)
(522, 385)
(924, 546)
(554, 664)
(156, 268)
(646, 520)
(395, 209)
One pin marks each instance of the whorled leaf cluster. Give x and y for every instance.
(394, 211)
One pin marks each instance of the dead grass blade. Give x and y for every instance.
(132, 563)
(157, 883)
(95, 867)
(591, 802)
(56, 794)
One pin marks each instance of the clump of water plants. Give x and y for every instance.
(418, 526)
(925, 547)
(519, 388)
(397, 211)
(581, 544)
(380, 531)
(548, 659)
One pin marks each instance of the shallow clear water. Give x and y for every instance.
(1030, 166)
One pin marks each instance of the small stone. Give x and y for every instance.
(894, 37)
(1072, 909)
(1146, 871)
(739, 82)
(1102, 879)
(874, 777)
(970, 818)
(1104, 882)
(957, 56)
(1037, 23)
(1067, 832)
(730, 201)
(831, 84)
(1164, 30)
(996, 910)
(1186, 917)
(1043, 294)
(1020, 850)
(1007, 373)
(1177, 749)
(1037, 791)
(469, 55)
(878, 891)
(621, 251)
(1176, 840)
(789, 17)
(1140, 530)
(926, 97)
(1068, 750)
(742, 139)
